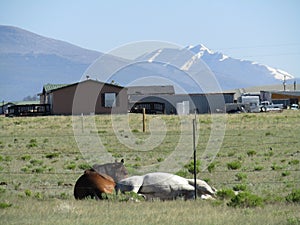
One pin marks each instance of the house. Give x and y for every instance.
(85, 97)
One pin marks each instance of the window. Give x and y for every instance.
(109, 100)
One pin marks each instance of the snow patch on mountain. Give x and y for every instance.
(279, 74)
(224, 57)
(190, 62)
(154, 56)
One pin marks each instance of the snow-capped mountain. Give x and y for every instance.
(28, 60)
(231, 73)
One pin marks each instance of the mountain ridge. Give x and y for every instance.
(29, 60)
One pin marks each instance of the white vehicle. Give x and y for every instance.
(253, 102)
(294, 106)
(266, 106)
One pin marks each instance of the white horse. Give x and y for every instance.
(164, 186)
(203, 189)
(129, 184)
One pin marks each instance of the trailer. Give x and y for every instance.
(252, 101)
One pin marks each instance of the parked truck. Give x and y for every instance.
(266, 106)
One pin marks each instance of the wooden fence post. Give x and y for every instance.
(144, 120)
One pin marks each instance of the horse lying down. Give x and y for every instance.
(93, 184)
(165, 186)
(99, 179)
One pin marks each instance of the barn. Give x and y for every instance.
(85, 97)
(163, 100)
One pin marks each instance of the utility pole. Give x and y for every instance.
(284, 83)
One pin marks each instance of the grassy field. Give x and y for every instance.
(41, 159)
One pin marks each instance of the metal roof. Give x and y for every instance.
(151, 90)
(19, 103)
(290, 93)
(51, 87)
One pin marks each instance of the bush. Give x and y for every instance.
(8, 158)
(38, 170)
(241, 176)
(251, 153)
(32, 143)
(36, 162)
(285, 173)
(240, 187)
(258, 168)
(28, 193)
(84, 166)
(190, 167)
(39, 196)
(211, 167)
(182, 173)
(293, 221)
(294, 162)
(268, 133)
(160, 159)
(246, 200)
(276, 167)
(63, 196)
(4, 205)
(234, 165)
(225, 194)
(294, 196)
(26, 157)
(25, 169)
(71, 166)
(52, 155)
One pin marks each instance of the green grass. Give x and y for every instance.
(40, 162)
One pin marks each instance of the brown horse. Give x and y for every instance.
(93, 184)
(99, 179)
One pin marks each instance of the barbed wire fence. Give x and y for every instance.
(9, 176)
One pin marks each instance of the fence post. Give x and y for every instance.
(144, 120)
(82, 127)
(195, 159)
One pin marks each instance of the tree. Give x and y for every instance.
(30, 98)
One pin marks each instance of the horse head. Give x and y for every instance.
(116, 170)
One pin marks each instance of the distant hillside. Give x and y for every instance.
(28, 60)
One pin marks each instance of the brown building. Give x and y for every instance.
(86, 97)
(286, 98)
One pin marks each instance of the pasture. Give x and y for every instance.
(40, 162)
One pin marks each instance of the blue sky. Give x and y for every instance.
(265, 31)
